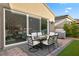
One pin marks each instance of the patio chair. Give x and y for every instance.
(55, 40)
(51, 39)
(32, 42)
(39, 33)
(54, 36)
(51, 33)
(34, 35)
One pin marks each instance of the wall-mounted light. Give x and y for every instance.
(52, 21)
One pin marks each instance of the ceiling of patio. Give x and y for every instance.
(33, 8)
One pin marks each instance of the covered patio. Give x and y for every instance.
(29, 33)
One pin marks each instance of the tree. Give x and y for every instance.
(74, 28)
(71, 29)
(67, 28)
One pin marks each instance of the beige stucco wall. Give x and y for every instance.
(61, 25)
(52, 27)
(2, 5)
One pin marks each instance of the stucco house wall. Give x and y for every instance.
(2, 5)
(65, 19)
(60, 26)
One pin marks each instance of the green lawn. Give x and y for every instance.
(71, 50)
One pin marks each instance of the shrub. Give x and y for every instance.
(74, 28)
(71, 29)
(67, 28)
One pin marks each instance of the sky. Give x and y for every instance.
(71, 9)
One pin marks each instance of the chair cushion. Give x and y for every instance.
(34, 34)
(39, 34)
(52, 33)
(34, 38)
(35, 42)
(45, 42)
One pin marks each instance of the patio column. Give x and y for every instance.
(51, 26)
(27, 19)
(48, 27)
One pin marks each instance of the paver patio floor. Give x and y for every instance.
(22, 49)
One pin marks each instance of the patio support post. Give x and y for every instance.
(40, 24)
(48, 28)
(27, 19)
(4, 33)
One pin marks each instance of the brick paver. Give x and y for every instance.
(16, 51)
(62, 44)
(13, 52)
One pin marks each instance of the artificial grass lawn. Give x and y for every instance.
(71, 50)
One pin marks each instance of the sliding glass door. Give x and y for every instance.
(18, 25)
(34, 25)
(44, 25)
(37, 25)
(15, 27)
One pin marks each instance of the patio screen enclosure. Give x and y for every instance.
(18, 25)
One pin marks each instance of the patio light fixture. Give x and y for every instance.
(52, 21)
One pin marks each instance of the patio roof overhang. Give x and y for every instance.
(39, 9)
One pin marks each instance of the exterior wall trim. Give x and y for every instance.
(4, 25)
